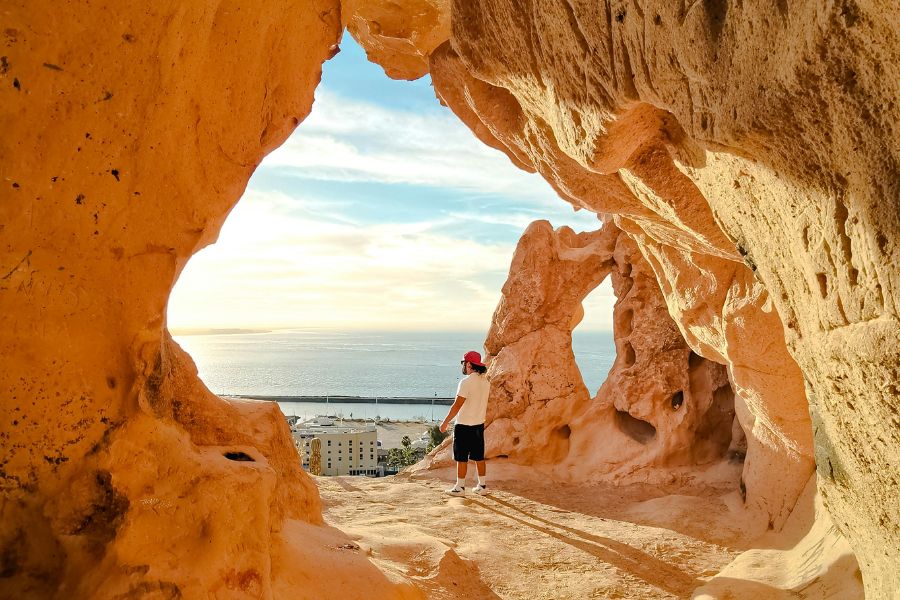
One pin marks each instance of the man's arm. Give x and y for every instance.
(457, 405)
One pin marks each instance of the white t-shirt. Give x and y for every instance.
(475, 389)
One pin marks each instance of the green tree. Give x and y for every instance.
(395, 458)
(402, 457)
(437, 436)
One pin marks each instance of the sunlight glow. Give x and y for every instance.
(372, 216)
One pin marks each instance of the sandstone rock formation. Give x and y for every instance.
(126, 142)
(661, 406)
(807, 560)
(536, 388)
(670, 118)
(730, 313)
(738, 140)
(748, 150)
(399, 35)
(674, 407)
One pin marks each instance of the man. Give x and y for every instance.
(468, 435)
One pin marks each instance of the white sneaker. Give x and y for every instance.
(481, 488)
(456, 491)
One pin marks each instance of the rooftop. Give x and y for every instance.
(333, 429)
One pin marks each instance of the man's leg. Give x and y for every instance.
(478, 456)
(461, 451)
(459, 487)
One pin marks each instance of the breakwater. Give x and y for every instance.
(423, 400)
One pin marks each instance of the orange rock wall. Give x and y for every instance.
(399, 35)
(661, 407)
(129, 132)
(727, 317)
(750, 150)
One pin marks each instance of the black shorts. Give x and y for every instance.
(468, 443)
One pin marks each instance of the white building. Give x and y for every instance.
(345, 450)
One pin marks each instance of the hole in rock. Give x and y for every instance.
(558, 444)
(719, 430)
(723, 398)
(694, 361)
(637, 429)
(239, 456)
(367, 253)
(592, 339)
(563, 432)
(677, 400)
(716, 12)
(737, 456)
(628, 356)
(822, 279)
(515, 441)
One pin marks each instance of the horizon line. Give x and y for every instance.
(188, 331)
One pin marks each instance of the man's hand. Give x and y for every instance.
(457, 404)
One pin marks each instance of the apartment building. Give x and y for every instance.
(345, 450)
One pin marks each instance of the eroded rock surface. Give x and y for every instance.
(126, 140)
(724, 314)
(399, 35)
(728, 148)
(807, 560)
(536, 387)
(749, 150)
(675, 407)
(662, 405)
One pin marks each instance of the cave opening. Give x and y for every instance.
(162, 227)
(381, 212)
(365, 254)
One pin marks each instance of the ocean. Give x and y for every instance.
(357, 363)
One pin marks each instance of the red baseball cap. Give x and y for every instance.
(473, 357)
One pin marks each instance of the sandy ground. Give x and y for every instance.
(534, 538)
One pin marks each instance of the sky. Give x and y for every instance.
(381, 211)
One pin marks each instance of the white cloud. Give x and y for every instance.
(521, 220)
(348, 140)
(301, 260)
(273, 267)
